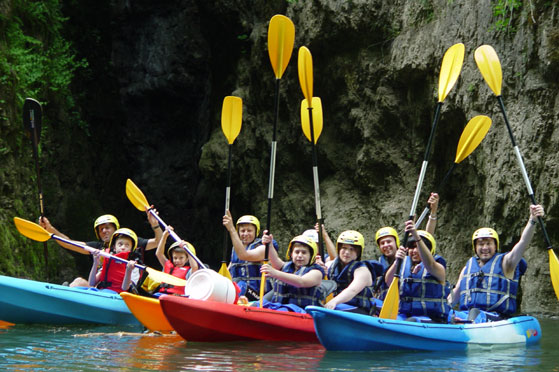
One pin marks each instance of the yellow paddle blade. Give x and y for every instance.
(136, 196)
(231, 117)
(450, 69)
(490, 67)
(554, 271)
(262, 287)
(224, 271)
(162, 277)
(305, 72)
(316, 118)
(281, 36)
(31, 230)
(391, 302)
(471, 137)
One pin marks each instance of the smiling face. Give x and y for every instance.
(247, 233)
(105, 231)
(300, 255)
(485, 248)
(387, 246)
(123, 244)
(413, 252)
(348, 253)
(180, 257)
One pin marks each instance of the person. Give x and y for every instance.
(177, 263)
(423, 286)
(298, 282)
(489, 281)
(388, 242)
(115, 276)
(353, 278)
(245, 259)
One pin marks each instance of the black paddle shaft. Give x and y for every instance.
(523, 170)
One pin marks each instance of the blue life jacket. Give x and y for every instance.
(344, 277)
(288, 294)
(249, 271)
(379, 284)
(487, 288)
(421, 294)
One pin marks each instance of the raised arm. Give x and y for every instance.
(160, 252)
(511, 259)
(433, 206)
(256, 254)
(45, 223)
(433, 267)
(330, 246)
(153, 242)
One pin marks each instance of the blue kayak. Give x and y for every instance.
(344, 331)
(28, 301)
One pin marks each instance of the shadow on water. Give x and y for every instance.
(38, 348)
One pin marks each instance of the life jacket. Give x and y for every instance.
(288, 294)
(487, 287)
(249, 271)
(380, 287)
(421, 294)
(112, 273)
(343, 279)
(179, 272)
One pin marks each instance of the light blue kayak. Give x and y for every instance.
(344, 331)
(28, 301)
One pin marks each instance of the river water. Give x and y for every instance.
(75, 348)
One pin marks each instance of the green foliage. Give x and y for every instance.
(503, 11)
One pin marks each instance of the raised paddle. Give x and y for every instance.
(490, 67)
(32, 119)
(281, 36)
(231, 120)
(138, 199)
(471, 137)
(36, 232)
(450, 70)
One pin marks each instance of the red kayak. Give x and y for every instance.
(208, 321)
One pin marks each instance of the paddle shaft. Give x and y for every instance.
(523, 170)
(441, 185)
(227, 200)
(272, 167)
(176, 238)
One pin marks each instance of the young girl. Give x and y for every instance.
(177, 263)
(115, 276)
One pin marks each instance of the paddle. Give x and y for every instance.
(308, 119)
(490, 67)
(32, 119)
(36, 232)
(137, 198)
(231, 120)
(450, 70)
(471, 137)
(281, 36)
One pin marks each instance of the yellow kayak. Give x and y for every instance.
(148, 312)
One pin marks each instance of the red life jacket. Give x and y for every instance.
(179, 272)
(112, 273)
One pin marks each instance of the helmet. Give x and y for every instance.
(306, 240)
(485, 232)
(126, 232)
(176, 245)
(311, 233)
(106, 218)
(428, 239)
(249, 219)
(351, 237)
(387, 231)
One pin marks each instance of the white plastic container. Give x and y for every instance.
(207, 285)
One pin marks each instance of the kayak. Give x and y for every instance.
(29, 301)
(344, 331)
(148, 312)
(210, 321)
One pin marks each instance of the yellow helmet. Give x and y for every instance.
(428, 239)
(306, 240)
(485, 232)
(351, 237)
(176, 245)
(126, 232)
(249, 219)
(387, 231)
(106, 218)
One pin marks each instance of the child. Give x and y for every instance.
(115, 276)
(177, 263)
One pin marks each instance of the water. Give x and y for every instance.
(56, 348)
